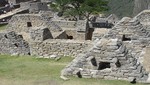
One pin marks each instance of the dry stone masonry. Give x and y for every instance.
(11, 43)
(108, 59)
(59, 47)
(24, 22)
(116, 53)
(40, 34)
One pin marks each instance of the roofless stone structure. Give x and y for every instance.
(116, 54)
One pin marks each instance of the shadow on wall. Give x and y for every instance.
(69, 37)
(124, 38)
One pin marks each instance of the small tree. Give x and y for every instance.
(80, 8)
(59, 6)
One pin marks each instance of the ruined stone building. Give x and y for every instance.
(102, 22)
(54, 36)
(118, 53)
(21, 7)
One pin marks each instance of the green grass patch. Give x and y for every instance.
(3, 27)
(28, 70)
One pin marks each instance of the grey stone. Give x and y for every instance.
(53, 56)
(64, 78)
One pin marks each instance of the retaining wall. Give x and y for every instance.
(59, 47)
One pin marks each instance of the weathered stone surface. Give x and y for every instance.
(64, 78)
(59, 47)
(24, 22)
(117, 54)
(11, 43)
(40, 34)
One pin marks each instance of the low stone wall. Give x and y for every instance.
(65, 24)
(59, 47)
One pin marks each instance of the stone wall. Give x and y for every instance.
(72, 33)
(146, 59)
(65, 24)
(107, 59)
(38, 6)
(59, 47)
(82, 28)
(62, 35)
(25, 5)
(78, 30)
(11, 43)
(99, 33)
(133, 34)
(130, 28)
(25, 22)
(40, 34)
(118, 55)
(144, 17)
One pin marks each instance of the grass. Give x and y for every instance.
(32, 71)
(2, 27)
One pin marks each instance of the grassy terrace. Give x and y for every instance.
(32, 71)
(2, 27)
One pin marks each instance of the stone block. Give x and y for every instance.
(112, 48)
(119, 74)
(109, 77)
(40, 34)
(113, 42)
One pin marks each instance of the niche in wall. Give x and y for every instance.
(29, 24)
